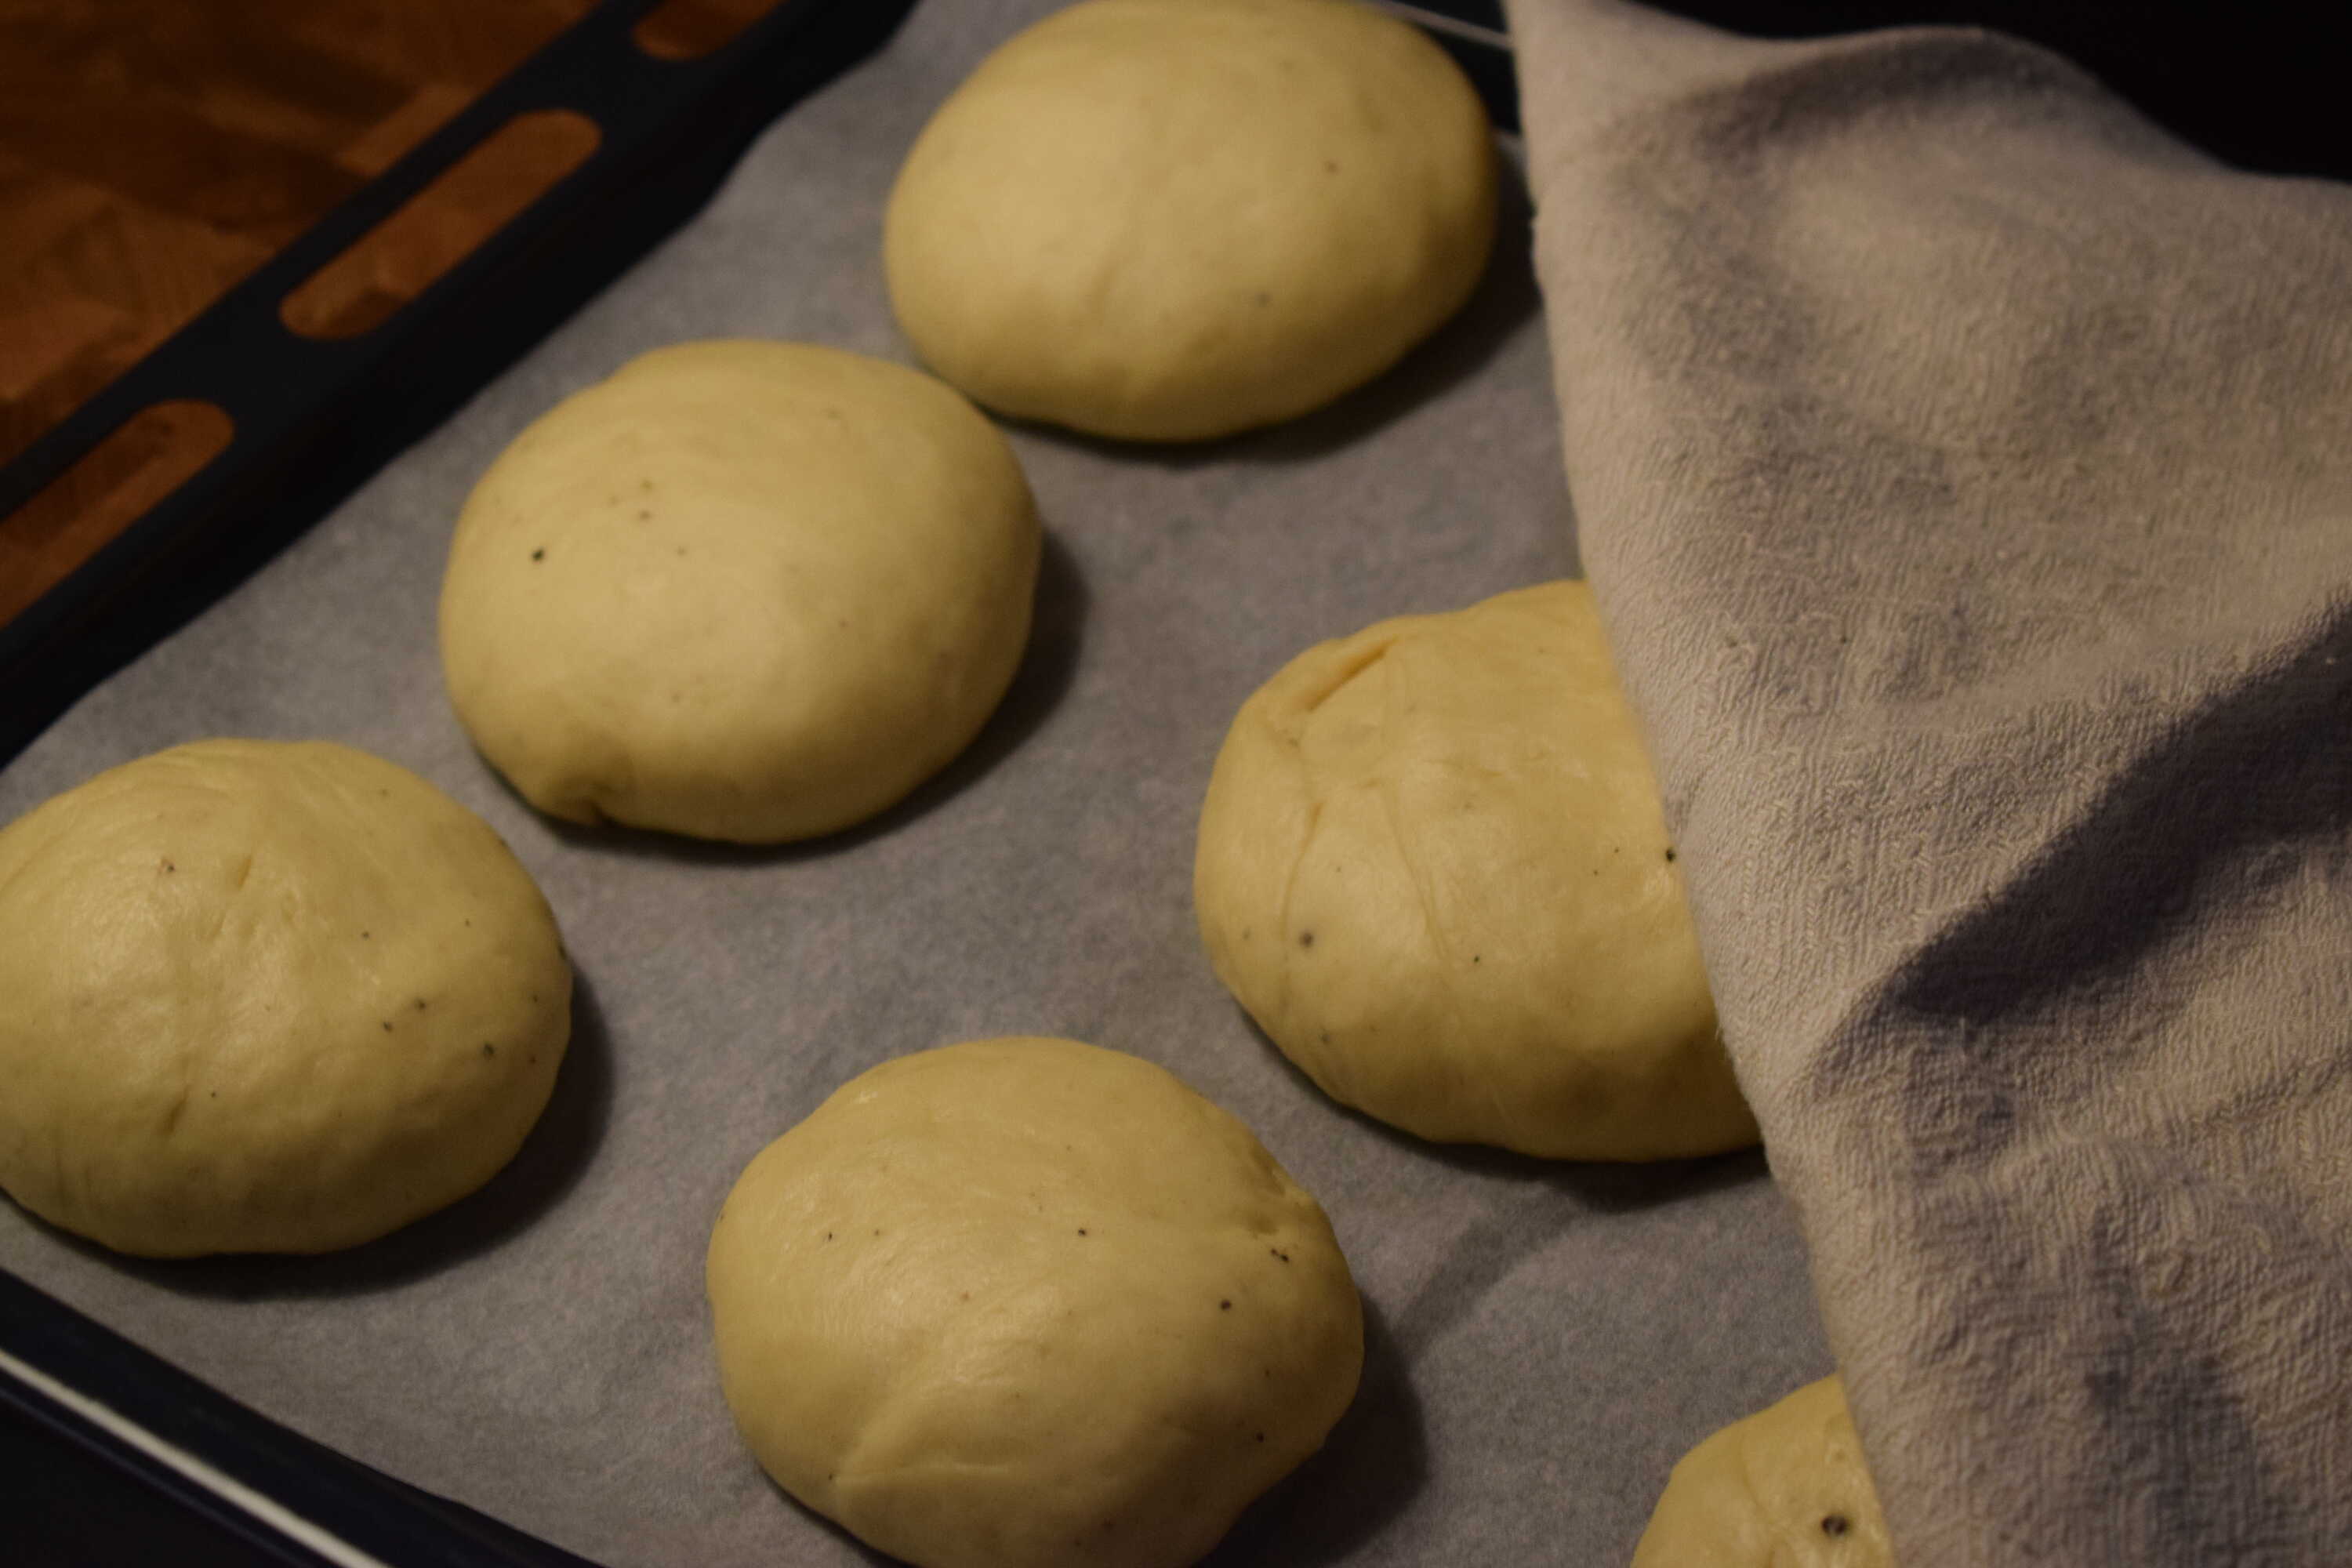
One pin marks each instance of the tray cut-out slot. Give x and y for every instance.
(438, 227)
(139, 462)
(688, 29)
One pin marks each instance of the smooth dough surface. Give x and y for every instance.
(1785, 1488)
(1173, 219)
(1024, 1302)
(1433, 865)
(266, 998)
(742, 590)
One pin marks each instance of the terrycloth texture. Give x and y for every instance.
(1965, 468)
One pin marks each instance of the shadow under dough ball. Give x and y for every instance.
(1168, 220)
(740, 590)
(1029, 1303)
(266, 998)
(1433, 865)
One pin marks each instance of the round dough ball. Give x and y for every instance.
(1433, 867)
(1021, 1303)
(748, 591)
(266, 998)
(1164, 220)
(1785, 1488)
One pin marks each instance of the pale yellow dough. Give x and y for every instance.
(1433, 865)
(742, 590)
(1784, 1488)
(266, 998)
(1027, 1303)
(1170, 219)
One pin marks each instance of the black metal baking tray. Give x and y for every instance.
(114, 1455)
(122, 1457)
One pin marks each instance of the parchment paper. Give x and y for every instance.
(1545, 1340)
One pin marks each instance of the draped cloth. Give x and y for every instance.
(1964, 468)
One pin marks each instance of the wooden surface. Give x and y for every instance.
(153, 153)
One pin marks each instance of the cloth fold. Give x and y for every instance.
(1962, 466)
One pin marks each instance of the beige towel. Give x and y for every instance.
(1965, 470)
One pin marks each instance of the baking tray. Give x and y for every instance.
(119, 1454)
(98, 1407)
(114, 1455)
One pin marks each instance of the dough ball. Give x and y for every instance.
(1164, 220)
(1021, 1303)
(1784, 1488)
(749, 591)
(266, 998)
(1433, 867)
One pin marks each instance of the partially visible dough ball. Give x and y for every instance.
(1027, 1303)
(1785, 1488)
(266, 998)
(1433, 867)
(742, 590)
(1164, 220)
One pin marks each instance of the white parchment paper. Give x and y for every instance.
(1544, 1339)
